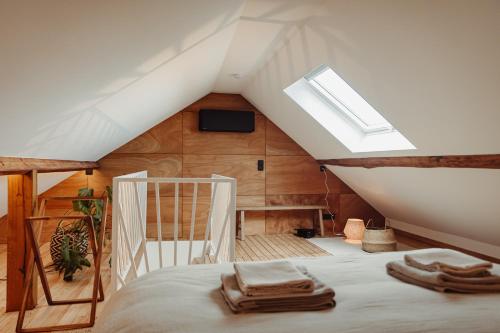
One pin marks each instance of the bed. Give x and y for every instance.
(187, 299)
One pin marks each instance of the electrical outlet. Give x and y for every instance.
(328, 216)
(322, 168)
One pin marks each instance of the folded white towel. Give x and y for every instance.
(320, 298)
(271, 278)
(442, 281)
(448, 261)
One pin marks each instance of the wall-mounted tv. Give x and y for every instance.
(226, 121)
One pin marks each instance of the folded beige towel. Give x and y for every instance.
(319, 299)
(442, 281)
(448, 261)
(271, 278)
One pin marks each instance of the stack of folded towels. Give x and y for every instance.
(274, 287)
(445, 270)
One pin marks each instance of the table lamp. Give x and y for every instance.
(354, 230)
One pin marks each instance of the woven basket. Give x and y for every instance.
(379, 239)
(80, 239)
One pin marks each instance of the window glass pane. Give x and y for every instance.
(347, 100)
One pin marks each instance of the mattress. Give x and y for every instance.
(187, 299)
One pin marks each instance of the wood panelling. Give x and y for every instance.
(203, 203)
(278, 143)
(297, 175)
(242, 167)
(69, 187)
(157, 165)
(352, 205)
(167, 217)
(285, 222)
(48, 227)
(295, 199)
(175, 148)
(165, 138)
(251, 200)
(196, 142)
(255, 221)
(278, 222)
(3, 229)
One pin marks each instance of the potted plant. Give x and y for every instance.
(69, 243)
(68, 248)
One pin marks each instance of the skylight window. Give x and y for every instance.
(343, 112)
(331, 86)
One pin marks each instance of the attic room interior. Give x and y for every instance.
(249, 166)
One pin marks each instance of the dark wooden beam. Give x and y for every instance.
(447, 161)
(19, 165)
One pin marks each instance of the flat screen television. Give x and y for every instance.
(226, 121)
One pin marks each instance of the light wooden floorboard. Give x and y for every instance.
(45, 315)
(268, 247)
(253, 248)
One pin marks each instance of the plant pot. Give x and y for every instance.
(379, 240)
(80, 239)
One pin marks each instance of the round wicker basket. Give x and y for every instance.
(379, 240)
(78, 239)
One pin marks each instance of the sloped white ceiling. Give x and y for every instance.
(432, 69)
(262, 28)
(78, 79)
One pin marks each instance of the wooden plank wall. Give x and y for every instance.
(3, 229)
(175, 148)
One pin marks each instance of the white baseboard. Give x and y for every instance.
(464, 243)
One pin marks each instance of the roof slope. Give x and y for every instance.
(81, 79)
(430, 68)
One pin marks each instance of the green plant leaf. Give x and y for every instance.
(109, 192)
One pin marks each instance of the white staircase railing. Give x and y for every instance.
(133, 254)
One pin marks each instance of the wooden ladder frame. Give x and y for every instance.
(34, 257)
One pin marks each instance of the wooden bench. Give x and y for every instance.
(242, 211)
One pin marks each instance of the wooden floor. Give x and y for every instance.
(268, 247)
(253, 248)
(44, 315)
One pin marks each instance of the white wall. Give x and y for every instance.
(45, 182)
(48, 180)
(431, 68)
(462, 202)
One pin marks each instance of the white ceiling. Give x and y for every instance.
(263, 27)
(78, 79)
(432, 69)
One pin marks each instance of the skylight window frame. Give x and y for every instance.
(337, 104)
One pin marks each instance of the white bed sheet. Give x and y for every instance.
(187, 299)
